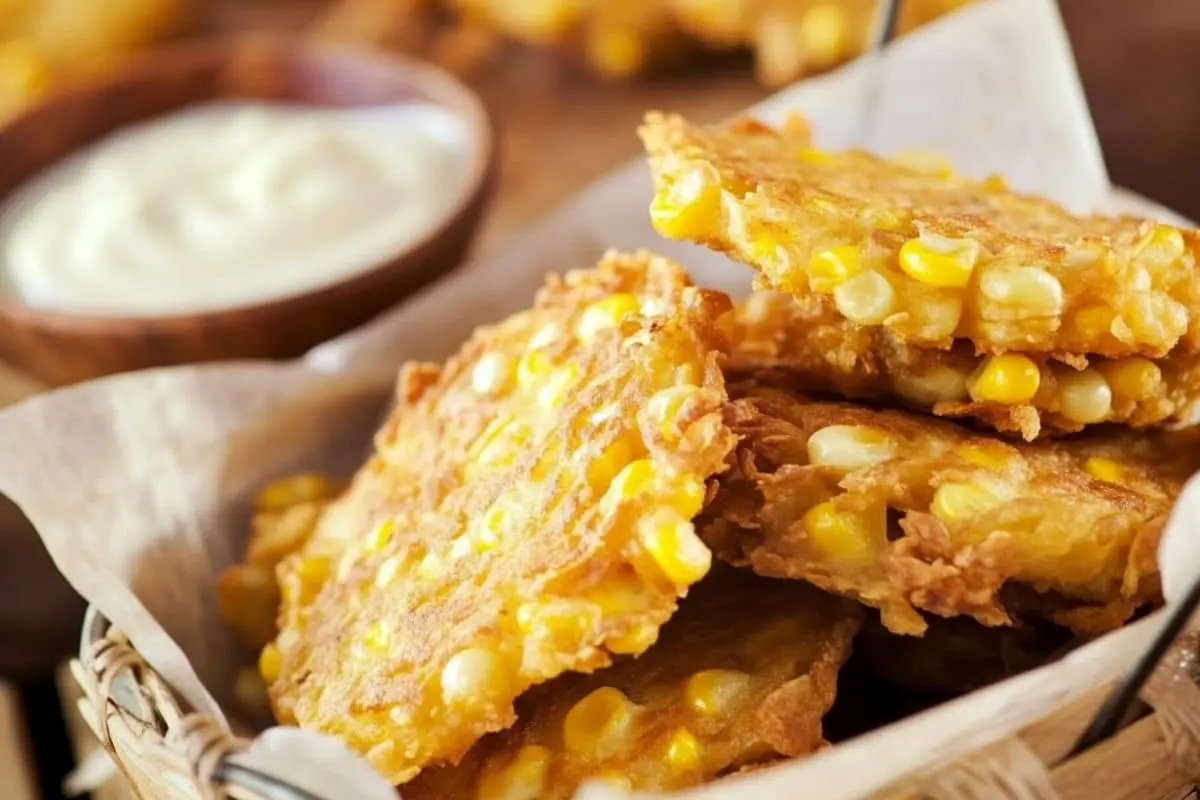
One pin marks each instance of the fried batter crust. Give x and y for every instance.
(802, 342)
(502, 533)
(1033, 514)
(747, 668)
(1102, 285)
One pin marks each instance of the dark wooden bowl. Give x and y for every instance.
(57, 347)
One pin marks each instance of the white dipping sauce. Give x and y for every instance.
(229, 204)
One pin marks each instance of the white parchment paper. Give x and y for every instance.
(139, 484)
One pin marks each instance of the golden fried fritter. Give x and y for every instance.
(906, 513)
(928, 255)
(285, 516)
(743, 673)
(526, 513)
(803, 342)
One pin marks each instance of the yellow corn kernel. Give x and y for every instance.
(561, 620)
(1084, 396)
(866, 298)
(546, 335)
(492, 373)
(614, 780)
(474, 676)
(935, 315)
(602, 471)
(939, 261)
(829, 269)
(989, 455)
(995, 183)
(430, 567)
(685, 494)
(840, 534)
(378, 635)
(849, 447)
(491, 448)
(525, 778)
(1091, 322)
(606, 314)
(712, 692)
(532, 368)
(1104, 469)
(1131, 379)
(620, 594)
(636, 640)
(600, 724)
(671, 541)
(290, 491)
(664, 408)
(485, 534)
(387, 572)
(939, 384)
(955, 501)
(270, 663)
(379, 536)
(1162, 246)
(551, 395)
(683, 751)
(690, 207)
(313, 569)
(1022, 292)
(1008, 378)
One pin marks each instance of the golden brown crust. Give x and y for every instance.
(802, 342)
(925, 516)
(525, 513)
(746, 668)
(1036, 279)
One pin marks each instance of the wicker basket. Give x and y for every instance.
(167, 753)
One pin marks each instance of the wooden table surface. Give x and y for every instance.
(560, 131)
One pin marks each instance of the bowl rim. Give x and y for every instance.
(435, 86)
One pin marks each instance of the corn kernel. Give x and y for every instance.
(838, 533)
(686, 494)
(600, 724)
(989, 455)
(939, 261)
(1091, 322)
(490, 448)
(1104, 469)
(474, 676)
(492, 373)
(606, 314)
(1131, 379)
(691, 206)
(712, 692)
(636, 640)
(671, 541)
(1162, 246)
(1024, 292)
(849, 447)
(270, 663)
(1084, 397)
(955, 501)
(620, 594)
(532, 368)
(995, 183)
(936, 315)
(526, 778)
(603, 470)
(546, 335)
(938, 384)
(387, 572)
(616, 52)
(430, 567)
(866, 298)
(683, 751)
(486, 533)
(562, 620)
(551, 395)
(313, 569)
(378, 635)
(614, 780)
(664, 408)
(1005, 378)
(380, 535)
(829, 269)
(290, 491)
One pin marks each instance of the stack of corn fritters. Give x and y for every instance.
(620, 536)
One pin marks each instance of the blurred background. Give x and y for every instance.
(566, 82)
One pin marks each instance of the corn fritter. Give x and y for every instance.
(929, 255)
(526, 512)
(909, 514)
(743, 673)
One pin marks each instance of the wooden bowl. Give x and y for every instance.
(58, 347)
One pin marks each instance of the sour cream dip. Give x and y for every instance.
(229, 204)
